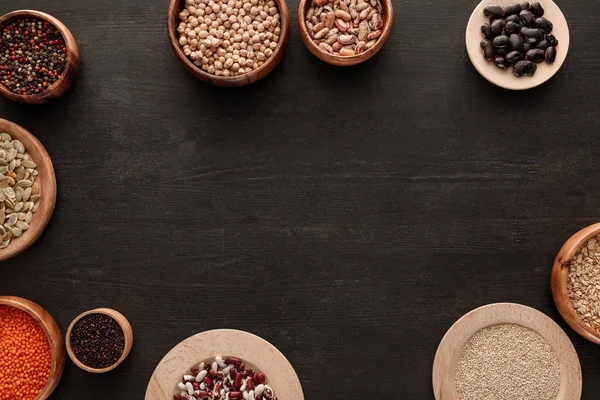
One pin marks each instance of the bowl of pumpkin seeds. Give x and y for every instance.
(27, 189)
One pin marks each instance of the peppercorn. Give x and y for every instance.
(25, 356)
(97, 341)
(33, 56)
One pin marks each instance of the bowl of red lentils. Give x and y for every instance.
(32, 351)
(229, 42)
(39, 57)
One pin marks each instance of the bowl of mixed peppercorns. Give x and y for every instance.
(39, 58)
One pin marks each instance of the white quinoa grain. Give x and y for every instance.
(507, 362)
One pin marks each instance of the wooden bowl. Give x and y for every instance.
(449, 350)
(344, 61)
(71, 69)
(127, 331)
(254, 351)
(176, 6)
(47, 180)
(55, 339)
(505, 77)
(560, 291)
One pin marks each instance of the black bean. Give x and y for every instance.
(535, 55)
(513, 57)
(498, 26)
(486, 31)
(528, 46)
(543, 45)
(494, 11)
(550, 54)
(512, 27)
(525, 5)
(500, 42)
(537, 9)
(516, 42)
(552, 41)
(524, 68)
(531, 35)
(513, 8)
(528, 18)
(501, 52)
(501, 63)
(488, 49)
(544, 25)
(513, 18)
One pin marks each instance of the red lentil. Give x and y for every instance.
(25, 356)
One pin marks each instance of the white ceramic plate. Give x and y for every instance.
(505, 77)
(254, 351)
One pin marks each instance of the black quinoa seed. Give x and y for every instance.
(97, 341)
(33, 55)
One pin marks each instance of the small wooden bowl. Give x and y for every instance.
(47, 180)
(254, 351)
(55, 339)
(560, 274)
(344, 61)
(71, 69)
(449, 350)
(505, 77)
(127, 331)
(176, 6)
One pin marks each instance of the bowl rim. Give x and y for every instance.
(56, 344)
(475, 56)
(125, 327)
(70, 44)
(48, 188)
(240, 80)
(338, 60)
(560, 290)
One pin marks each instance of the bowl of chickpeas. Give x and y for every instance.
(229, 42)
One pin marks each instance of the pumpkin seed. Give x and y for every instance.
(26, 194)
(5, 136)
(25, 183)
(19, 146)
(2, 196)
(12, 165)
(34, 208)
(22, 225)
(28, 164)
(3, 154)
(3, 161)
(35, 198)
(16, 232)
(18, 193)
(5, 244)
(11, 154)
(7, 145)
(9, 203)
(2, 230)
(19, 206)
(12, 219)
(21, 216)
(28, 217)
(35, 189)
(9, 192)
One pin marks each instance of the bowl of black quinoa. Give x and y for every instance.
(99, 340)
(517, 45)
(39, 57)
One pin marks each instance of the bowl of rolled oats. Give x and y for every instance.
(229, 42)
(27, 189)
(576, 282)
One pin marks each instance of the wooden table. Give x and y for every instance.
(348, 216)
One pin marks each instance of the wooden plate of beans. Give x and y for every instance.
(563, 277)
(255, 352)
(22, 317)
(59, 83)
(533, 342)
(223, 65)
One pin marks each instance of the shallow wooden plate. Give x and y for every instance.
(505, 77)
(251, 349)
(53, 333)
(505, 313)
(47, 180)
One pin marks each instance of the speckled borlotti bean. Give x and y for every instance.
(356, 24)
(224, 379)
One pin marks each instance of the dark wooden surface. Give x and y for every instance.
(348, 216)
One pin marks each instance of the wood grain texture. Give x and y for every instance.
(560, 275)
(65, 81)
(345, 215)
(125, 327)
(449, 350)
(255, 352)
(54, 335)
(344, 61)
(47, 181)
(176, 6)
